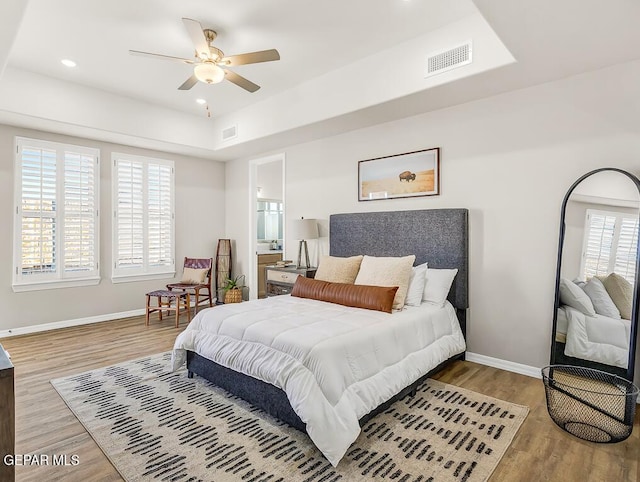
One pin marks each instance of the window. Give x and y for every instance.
(610, 244)
(56, 225)
(143, 218)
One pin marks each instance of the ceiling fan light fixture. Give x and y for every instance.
(208, 72)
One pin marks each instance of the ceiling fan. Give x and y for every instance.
(210, 62)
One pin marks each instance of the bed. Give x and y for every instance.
(590, 330)
(325, 368)
(596, 338)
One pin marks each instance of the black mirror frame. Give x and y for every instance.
(636, 291)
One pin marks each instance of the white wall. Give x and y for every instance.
(199, 223)
(510, 160)
(269, 179)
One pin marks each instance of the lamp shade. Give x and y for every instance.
(305, 229)
(208, 72)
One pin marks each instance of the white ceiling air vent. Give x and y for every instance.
(448, 59)
(230, 133)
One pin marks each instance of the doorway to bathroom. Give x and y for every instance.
(267, 207)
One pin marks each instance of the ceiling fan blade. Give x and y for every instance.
(197, 37)
(240, 81)
(160, 56)
(190, 82)
(251, 58)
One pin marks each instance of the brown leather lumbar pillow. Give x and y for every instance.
(379, 298)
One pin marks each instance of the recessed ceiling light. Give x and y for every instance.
(68, 63)
(201, 101)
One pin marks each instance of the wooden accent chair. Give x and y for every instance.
(200, 291)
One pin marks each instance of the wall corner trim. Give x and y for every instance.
(25, 330)
(504, 365)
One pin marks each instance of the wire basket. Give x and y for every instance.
(590, 404)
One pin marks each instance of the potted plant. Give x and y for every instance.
(233, 289)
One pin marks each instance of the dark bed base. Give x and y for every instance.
(274, 400)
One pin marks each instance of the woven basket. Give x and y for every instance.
(590, 404)
(233, 296)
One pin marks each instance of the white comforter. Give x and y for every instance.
(597, 338)
(335, 363)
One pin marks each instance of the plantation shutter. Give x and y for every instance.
(79, 213)
(39, 211)
(160, 216)
(610, 244)
(130, 214)
(56, 229)
(599, 243)
(144, 219)
(627, 250)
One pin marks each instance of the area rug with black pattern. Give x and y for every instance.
(154, 424)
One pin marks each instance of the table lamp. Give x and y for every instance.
(304, 229)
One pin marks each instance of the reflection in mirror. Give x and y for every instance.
(595, 318)
(270, 220)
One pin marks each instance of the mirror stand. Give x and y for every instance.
(589, 385)
(595, 319)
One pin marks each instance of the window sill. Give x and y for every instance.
(131, 278)
(54, 285)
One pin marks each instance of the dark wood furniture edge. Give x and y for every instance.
(7, 415)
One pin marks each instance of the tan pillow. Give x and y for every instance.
(377, 298)
(621, 292)
(338, 270)
(194, 276)
(387, 271)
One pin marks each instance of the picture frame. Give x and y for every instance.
(412, 174)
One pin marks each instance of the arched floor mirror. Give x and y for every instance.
(595, 318)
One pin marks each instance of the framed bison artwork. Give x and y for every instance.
(411, 174)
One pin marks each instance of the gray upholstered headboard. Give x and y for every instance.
(436, 236)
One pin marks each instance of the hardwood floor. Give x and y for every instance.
(44, 424)
(541, 451)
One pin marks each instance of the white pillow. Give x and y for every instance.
(437, 285)
(416, 285)
(602, 302)
(387, 271)
(572, 295)
(579, 282)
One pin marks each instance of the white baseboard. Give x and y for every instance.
(24, 330)
(504, 365)
(509, 366)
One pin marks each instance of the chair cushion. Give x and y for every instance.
(194, 276)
